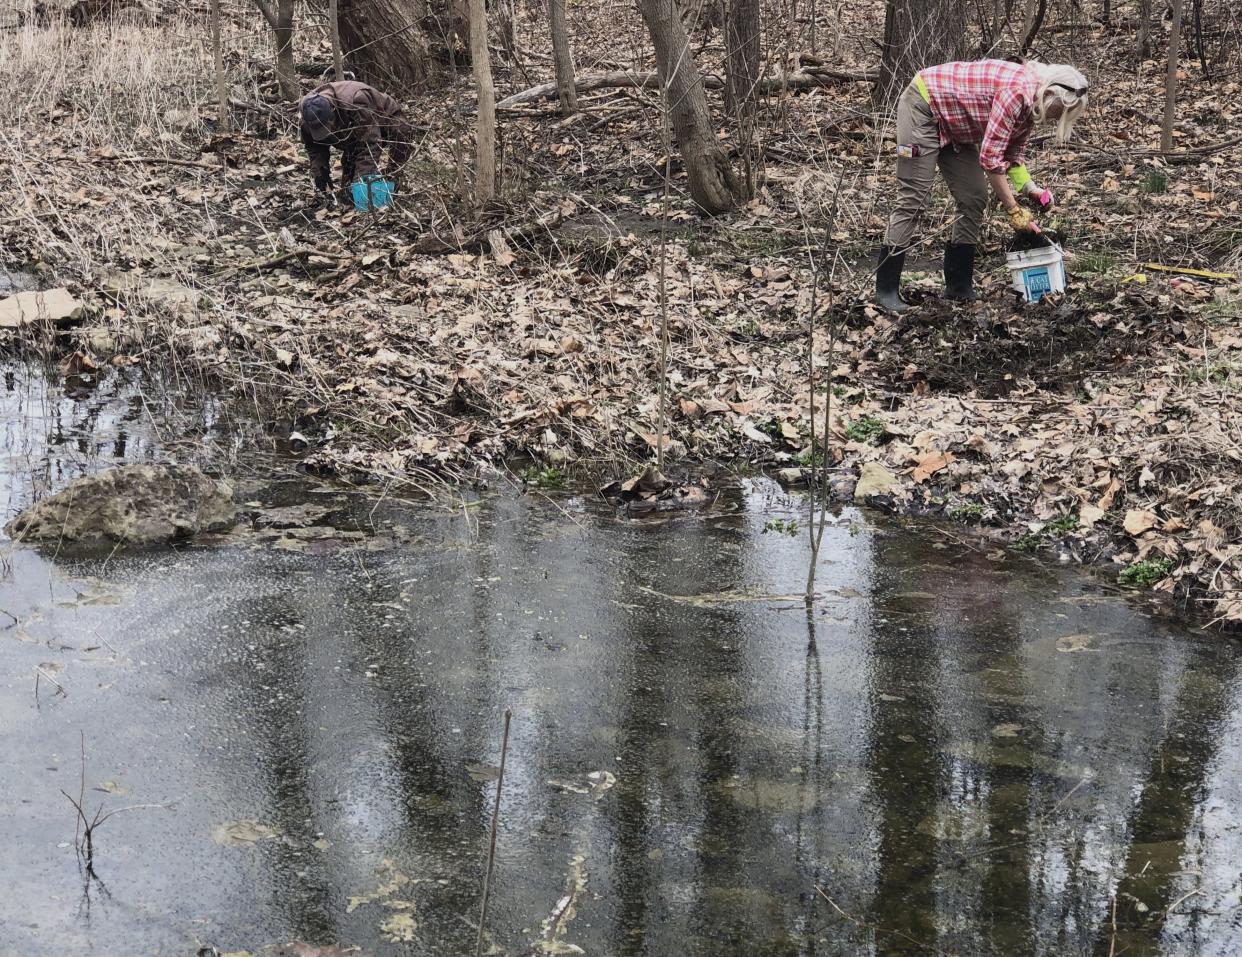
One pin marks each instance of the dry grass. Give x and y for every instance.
(114, 89)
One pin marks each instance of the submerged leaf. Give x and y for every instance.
(1071, 643)
(483, 772)
(237, 833)
(399, 927)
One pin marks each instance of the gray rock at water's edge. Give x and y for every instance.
(127, 286)
(132, 504)
(55, 306)
(793, 477)
(874, 479)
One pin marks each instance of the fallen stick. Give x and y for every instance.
(283, 258)
(1177, 157)
(59, 686)
(799, 80)
(157, 160)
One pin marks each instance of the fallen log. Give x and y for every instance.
(807, 79)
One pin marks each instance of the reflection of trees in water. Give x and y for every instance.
(1162, 821)
(417, 805)
(737, 878)
(1010, 789)
(744, 769)
(443, 812)
(685, 684)
(640, 743)
(988, 817)
(54, 430)
(275, 703)
(812, 831)
(906, 776)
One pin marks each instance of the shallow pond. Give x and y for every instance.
(958, 751)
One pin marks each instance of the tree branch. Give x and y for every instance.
(270, 13)
(807, 79)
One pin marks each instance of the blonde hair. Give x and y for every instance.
(1060, 83)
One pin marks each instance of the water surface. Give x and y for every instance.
(958, 750)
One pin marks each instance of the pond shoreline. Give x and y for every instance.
(930, 503)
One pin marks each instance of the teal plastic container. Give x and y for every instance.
(372, 192)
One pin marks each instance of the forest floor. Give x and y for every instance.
(429, 343)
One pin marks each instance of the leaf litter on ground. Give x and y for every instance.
(405, 350)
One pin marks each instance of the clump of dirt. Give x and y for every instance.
(989, 350)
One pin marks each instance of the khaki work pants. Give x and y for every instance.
(960, 167)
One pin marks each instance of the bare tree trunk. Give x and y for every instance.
(713, 183)
(918, 34)
(995, 33)
(1200, 45)
(1037, 10)
(286, 71)
(383, 42)
(225, 120)
(485, 123)
(1170, 83)
(1143, 41)
(563, 59)
(507, 15)
(741, 57)
(279, 16)
(334, 30)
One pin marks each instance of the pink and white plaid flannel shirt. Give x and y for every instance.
(987, 103)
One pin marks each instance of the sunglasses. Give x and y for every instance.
(1077, 91)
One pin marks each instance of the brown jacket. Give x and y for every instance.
(364, 121)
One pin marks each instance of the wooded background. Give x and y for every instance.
(755, 52)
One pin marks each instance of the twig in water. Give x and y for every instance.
(491, 851)
(1173, 906)
(84, 828)
(60, 689)
(876, 927)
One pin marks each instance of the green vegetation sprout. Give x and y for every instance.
(548, 477)
(865, 429)
(1146, 573)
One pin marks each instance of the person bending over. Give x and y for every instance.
(973, 120)
(359, 121)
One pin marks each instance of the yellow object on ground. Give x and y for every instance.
(1138, 277)
(1202, 273)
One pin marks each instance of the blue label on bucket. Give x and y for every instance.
(1037, 282)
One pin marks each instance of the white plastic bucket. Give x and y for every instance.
(1037, 272)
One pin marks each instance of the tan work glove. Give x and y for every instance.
(1022, 221)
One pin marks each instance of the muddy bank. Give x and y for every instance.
(1041, 425)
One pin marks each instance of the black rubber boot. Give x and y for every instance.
(890, 264)
(959, 272)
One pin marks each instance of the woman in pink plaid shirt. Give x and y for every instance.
(973, 120)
